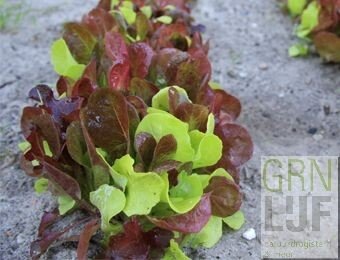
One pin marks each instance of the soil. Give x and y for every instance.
(290, 106)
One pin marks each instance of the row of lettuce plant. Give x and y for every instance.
(136, 136)
(318, 28)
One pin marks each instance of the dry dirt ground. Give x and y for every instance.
(290, 106)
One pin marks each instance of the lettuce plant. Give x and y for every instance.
(319, 25)
(136, 137)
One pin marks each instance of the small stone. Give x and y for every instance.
(327, 110)
(231, 74)
(263, 66)
(308, 81)
(242, 75)
(20, 239)
(312, 130)
(250, 234)
(317, 137)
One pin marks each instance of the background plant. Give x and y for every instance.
(318, 25)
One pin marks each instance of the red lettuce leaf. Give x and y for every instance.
(80, 41)
(191, 222)
(237, 145)
(225, 196)
(134, 243)
(195, 115)
(60, 179)
(107, 121)
(84, 239)
(140, 55)
(98, 22)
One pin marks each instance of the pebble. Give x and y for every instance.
(243, 75)
(263, 66)
(20, 239)
(317, 137)
(312, 130)
(250, 234)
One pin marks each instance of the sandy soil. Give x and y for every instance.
(290, 106)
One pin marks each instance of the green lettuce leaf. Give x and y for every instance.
(174, 252)
(296, 7)
(110, 201)
(143, 190)
(164, 19)
(63, 61)
(235, 221)
(208, 236)
(309, 20)
(162, 124)
(185, 195)
(41, 185)
(208, 148)
(65, 204)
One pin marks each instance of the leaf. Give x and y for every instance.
(225, 196)
(128, 245)
(65, 204)
(162, 124)
(140, 55)
(147, 11)
(38, 126)
(296, 7)
(195, 115)
(164, 66)
(139, 201)
(145, 145)
(128, 14)
(309, 19)
(63, 61)
(24, 147)
(62, 110)
(114, 3)
(328, 45)
(76, 144)
(162, 99)
(84, 239)
(69, 185)
(237, 145)
(142, 25)
(106, 119)
(235, 221)
(164, 150)
(41, 185)
(110, 201)
(218, 172)
(223, 103)
(116, 48)
(174, 252)
(80, 41)
(185, 195)
(164, 19)
(298, 50)
(143, 89)
(208, 236)
(134, 243)
(101, 171)
(190, 222)
(119, 76)
(98, 22)
(205, 144)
